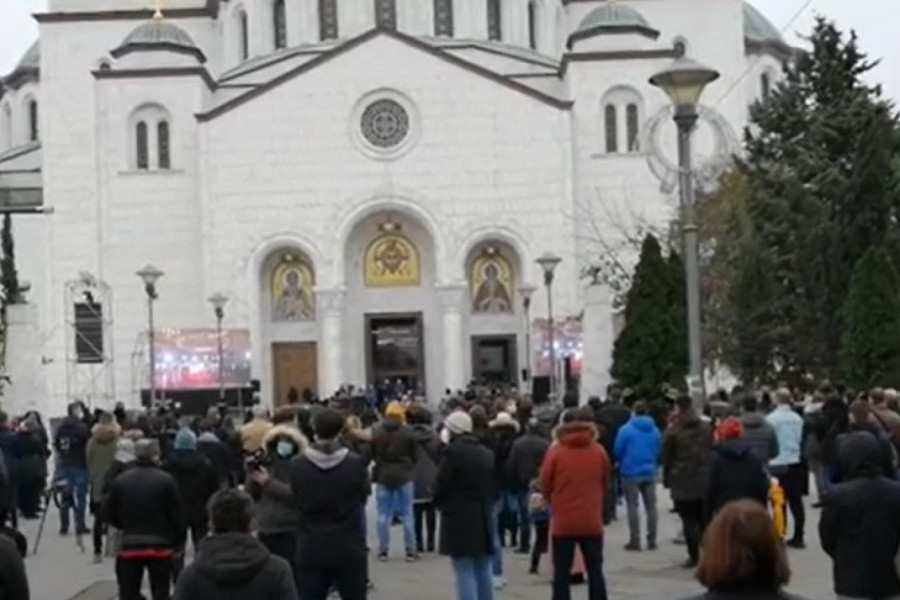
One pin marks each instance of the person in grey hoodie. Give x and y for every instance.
(759, 435)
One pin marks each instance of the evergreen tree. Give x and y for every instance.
(9, 276)
(651, 350)
(870, 322)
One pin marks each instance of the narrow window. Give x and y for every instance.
(494, 23)
(610, 126)
(443, 17)
(280, 24)
(328, 20)
(632, 126)
(766, 85)
(532, 26)
(244, 27)
(386, 14)
(33, 120)
(162, 140)
(143, 151)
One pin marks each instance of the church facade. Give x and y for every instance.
(368, 182)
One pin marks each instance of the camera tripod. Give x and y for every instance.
(58, 495)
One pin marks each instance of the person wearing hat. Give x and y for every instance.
(145, 504)
(197, 481)
(394, 453)
(504, 430)
(735, 472)
(464, 494)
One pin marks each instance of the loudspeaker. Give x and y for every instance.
(88, 332)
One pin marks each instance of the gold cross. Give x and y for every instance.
(158, 9)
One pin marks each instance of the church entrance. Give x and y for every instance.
(395, 349)
(494, 359)
(295, 371)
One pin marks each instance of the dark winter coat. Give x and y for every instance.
(10, 446)
(71, 443)
(197, 482)
(32, 458)
(145, 504)
(101, 454)
(330, 489)
(685, 457)
(235, 565)
(760, 436)
(525, 457)
(13, 579)
(502, 438)
(609, 419)
(210, 446)
(547, 416)
(394, 451)
(464, 493)
(427, 458)
(745, 595)
(860, 523)
(885, 454)
(275, 510)
(735, 474)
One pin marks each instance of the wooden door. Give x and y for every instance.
(295, 366)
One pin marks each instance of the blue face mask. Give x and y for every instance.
(284, 449)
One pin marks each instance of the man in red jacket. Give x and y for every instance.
(574, 477)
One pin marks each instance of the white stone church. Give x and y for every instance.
(369, 182)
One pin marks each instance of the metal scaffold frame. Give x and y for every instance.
(92, 383)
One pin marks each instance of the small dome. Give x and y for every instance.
(613, 15)
(158, 34)
(757, 28)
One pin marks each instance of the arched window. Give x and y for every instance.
(243, 35)
(386, 14)
(142, 149)
(765, 84)
(611, 129)
(443, 17)
(494, 20)
(632, 127)
(532, 25)
(5, 127)
(280, 24)
(162, 145)
(33, 120)
(328, 20)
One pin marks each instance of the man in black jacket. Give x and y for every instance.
(330, 487)
(231, 562)
(145, 505)
(860, 524)
(523, 466)
(71, 448)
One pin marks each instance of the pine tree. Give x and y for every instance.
(870, 322)
(9, 276)
(651, 350)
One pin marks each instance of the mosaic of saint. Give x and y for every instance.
(292, 292)
(491, 281)
(391, 260)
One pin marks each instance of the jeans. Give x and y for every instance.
(130, 573)
(519, 502)
(691, 513)
(636, 488)
(791, 479)
(197, 532)
(564, 553)
(497, 556)
(541, 543)
(77, 482)
(473, 578)
(425, 518)
(348, 577)
(612, 497)
(822, 475)
(393, 502)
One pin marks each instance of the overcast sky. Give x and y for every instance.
(872, 19)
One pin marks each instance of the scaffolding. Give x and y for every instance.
(90, 372)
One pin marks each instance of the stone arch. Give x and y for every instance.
(504, 234)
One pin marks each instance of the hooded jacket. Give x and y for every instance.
(101, 453)
(427, 458)
(235, 566)
(525, 458)
(637, 447)
(197, 482)
(330, 488)
(760, 436)
(860, 524)
(574, 478)
(275, 510)
(394, 452)
(685, 456)
(735, 473)
(501, 439)
(71, 441)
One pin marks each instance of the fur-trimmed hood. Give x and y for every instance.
(576, 433)
(288, 431)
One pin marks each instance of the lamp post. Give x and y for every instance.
(548, 263)
(150, 275)
(218, 302)
(684, 82)
(526, 291)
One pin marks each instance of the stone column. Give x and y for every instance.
(452, 297)
(598, 338)
(330, 312)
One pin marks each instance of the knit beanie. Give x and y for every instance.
(395, 409)
(458, 423)
(185, 440)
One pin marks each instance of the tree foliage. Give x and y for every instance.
(9, 276)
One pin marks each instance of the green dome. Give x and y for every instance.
(613, 16)
(757, 28)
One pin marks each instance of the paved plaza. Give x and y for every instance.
(60, 571)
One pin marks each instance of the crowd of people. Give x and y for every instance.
(274, 506)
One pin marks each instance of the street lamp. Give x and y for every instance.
(218, 302)
(526, 291)
(548, 263)
(150, 275)
(684, 82)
